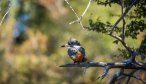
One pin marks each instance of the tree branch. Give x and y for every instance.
(122, 16)
(79, 19)
(10, 4)
(104, 73)
(123, 76)
(111, 64)
(123, 30)
(135, 77)
(132, 53)
(123, 43)
(131, 73)
(115, 76)
(122, 11)
(75, 14)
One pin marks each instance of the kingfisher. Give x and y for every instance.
(75, 51)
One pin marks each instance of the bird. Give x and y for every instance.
(75, 51)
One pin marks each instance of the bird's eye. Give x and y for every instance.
(71, 43)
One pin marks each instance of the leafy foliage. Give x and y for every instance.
(140, 9)
(134, 28)
(101, 27)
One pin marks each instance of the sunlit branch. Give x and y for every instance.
(104, 64)
(79, 19)
(5, 14)
(75, 14)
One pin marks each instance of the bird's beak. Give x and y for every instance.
(66, 45)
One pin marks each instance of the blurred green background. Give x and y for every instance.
(34, 30)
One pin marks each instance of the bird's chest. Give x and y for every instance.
(72, 51)
(75, 54)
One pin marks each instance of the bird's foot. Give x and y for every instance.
(76, 62)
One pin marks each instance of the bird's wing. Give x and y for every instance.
(82, 50)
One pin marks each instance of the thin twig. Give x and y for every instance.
(122, 11)
(128, 80)
(5, 15)
(75, 14)
(123, 76)
(79, 19)
(115, 76)
(88, 5)
(72, 8)
(122, 16)
(133, 53)
(123, 43)
(106, 70)
(86, 8)
(131, 73)
(135, 77)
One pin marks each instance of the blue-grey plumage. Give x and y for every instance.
(75, 51)
(72, 51)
